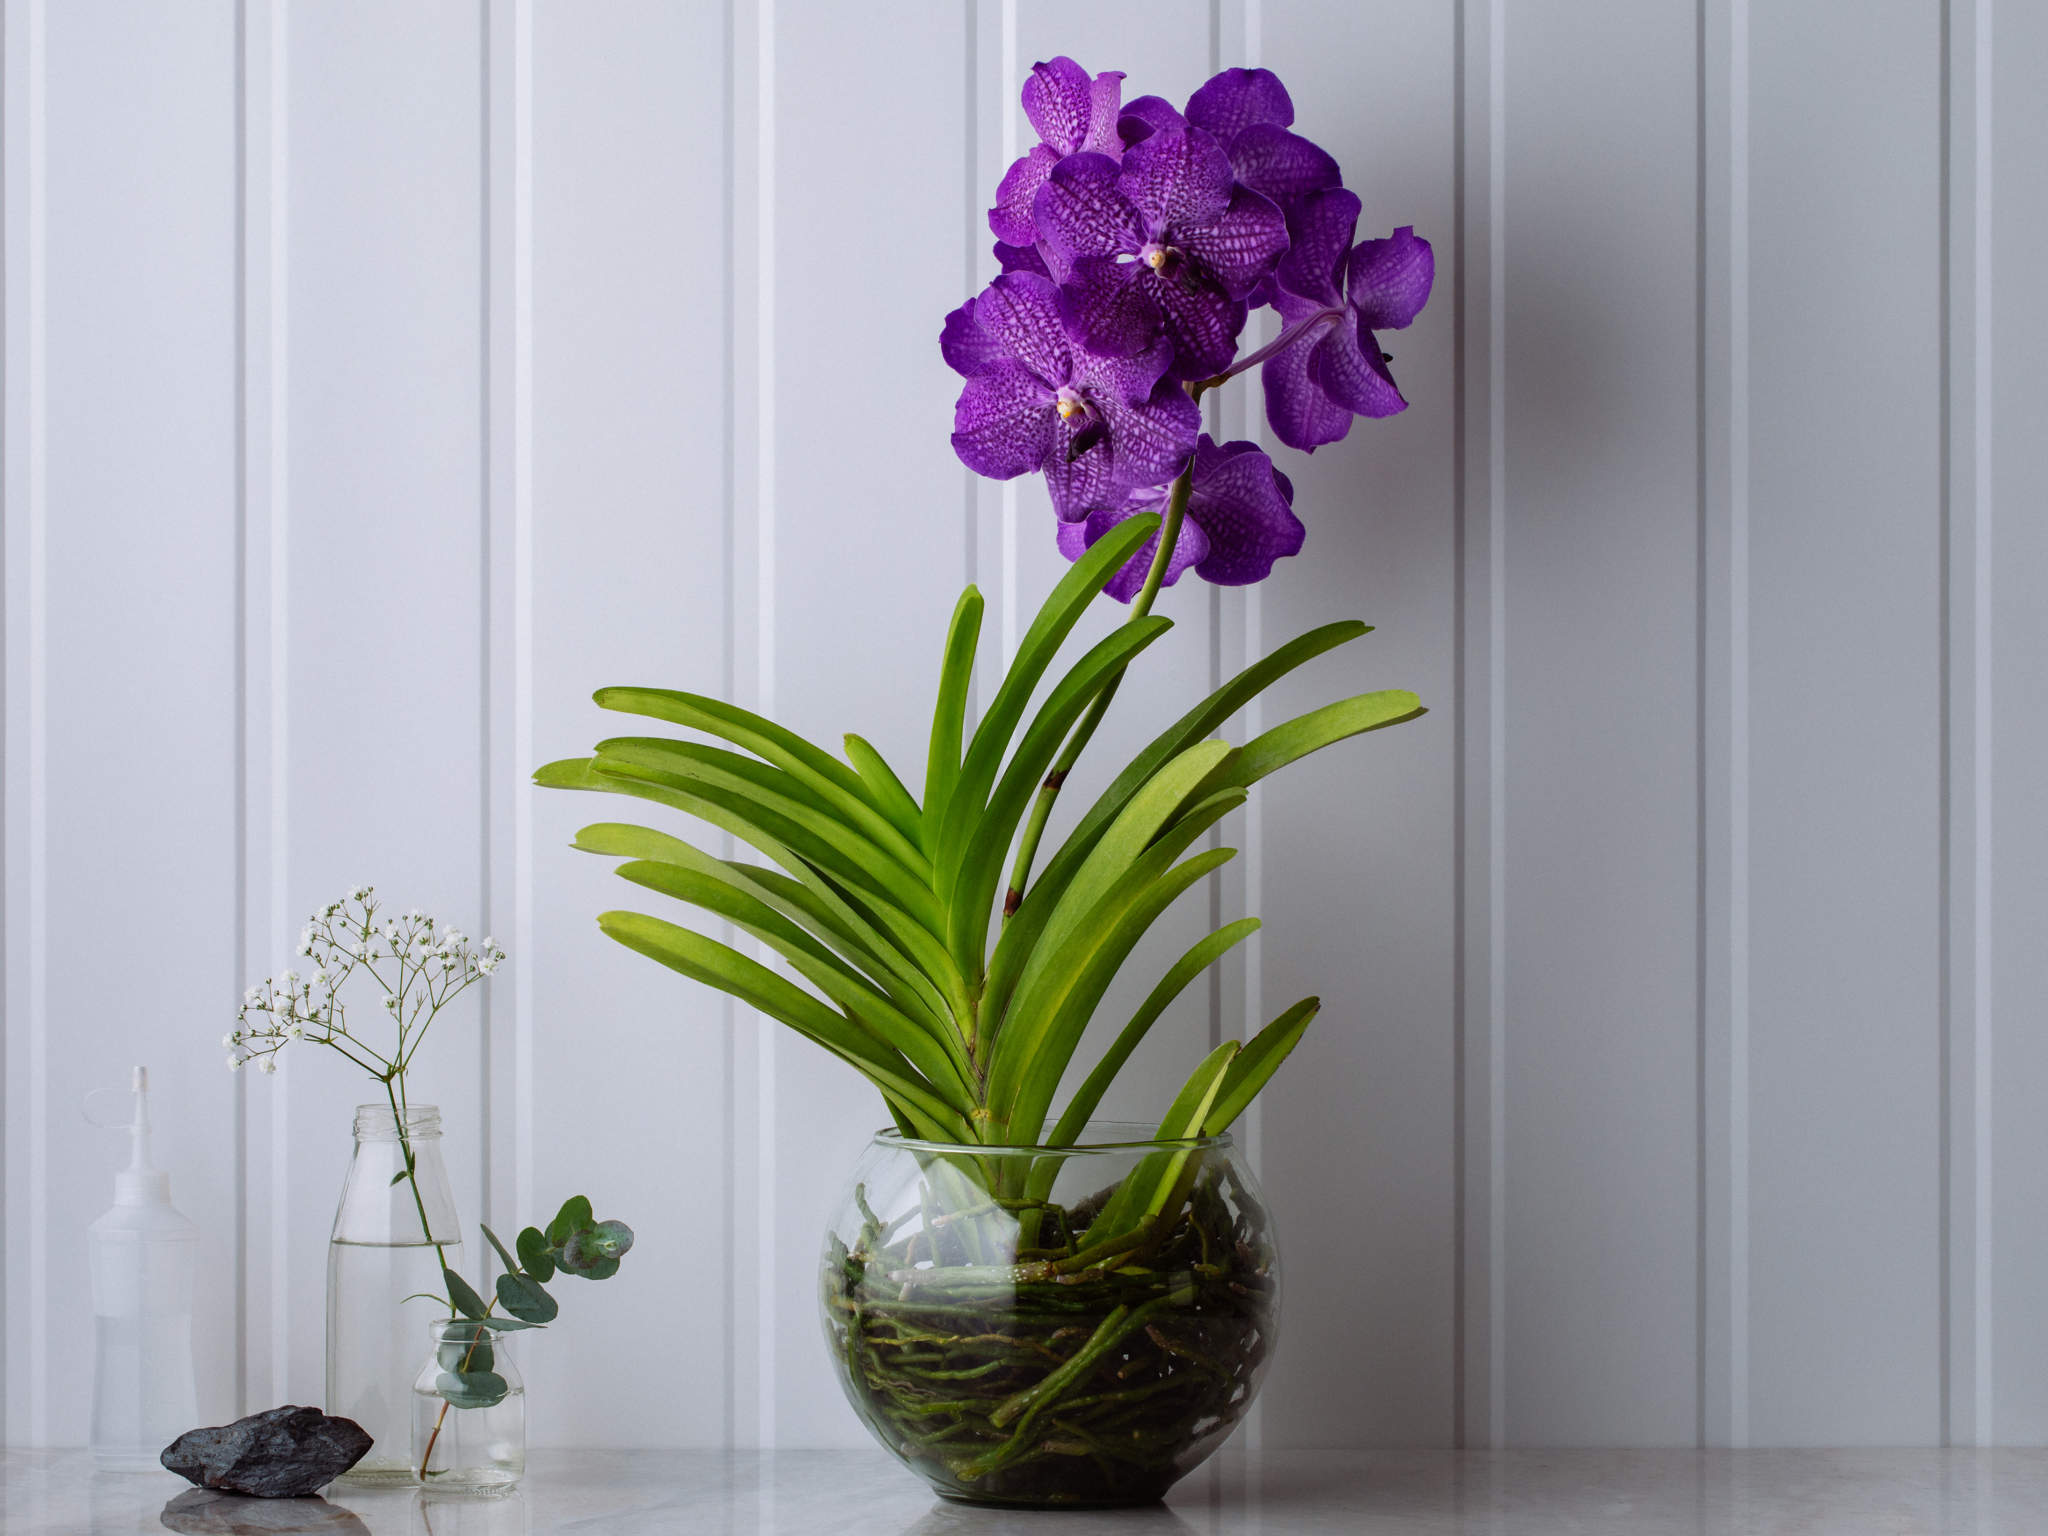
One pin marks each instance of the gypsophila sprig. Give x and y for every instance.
(418, 964)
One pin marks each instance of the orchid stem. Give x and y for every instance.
(1041, 807)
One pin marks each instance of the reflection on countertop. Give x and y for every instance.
(1300, 1493)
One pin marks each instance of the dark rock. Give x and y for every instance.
(278, 1454)
(202, 1512)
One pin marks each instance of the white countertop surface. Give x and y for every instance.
(863, 1493)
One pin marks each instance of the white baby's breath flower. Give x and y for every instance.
(249, 997)
(391, 1003)
(488, 964)
(235, 1062)
(229, 1038)
(296, 1032)
(267, 1066)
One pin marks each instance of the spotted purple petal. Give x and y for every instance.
(1191, 546)
(1002, 425)
(1321, 232)
(1245, 508)
(1020, 311)
(1230, 102)
(1346, 365)
(1238, 246)
(1283, 166)
(1104, 111)
(1201, 322)
(1146, 116)
(965, 346)
(1390, 279)
(1108, 307)
(1020, 258)
(1080, 210)
(1010, 220)
(1058, 101)
(1176, 177)
(1301, 414)
(1151, 442)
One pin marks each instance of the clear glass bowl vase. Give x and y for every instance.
(1019, 1327)
(468, 1411)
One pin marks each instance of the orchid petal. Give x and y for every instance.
(1282, 165)
(1302, 416)
(1202, 323)
(1191, 546)
(1320, 241)
(1152, 441)
(1059, 101)
(1176, 177)
(1146, 116)
(1010, 220)
(1389, 280)
(1348, 367)
(1002, 424)
(1021, 312)
(1108, 307)
(1020, 258)
(1104, 110)
(1245, 507)
(1081, 212)
(1235, 100)
(1238, 246)
(966, 347)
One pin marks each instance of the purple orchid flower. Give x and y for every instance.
(1097, 426)
(1240, 519)
(1326, 366)
(1249, 112)
(1071, 113)
(1164, 243)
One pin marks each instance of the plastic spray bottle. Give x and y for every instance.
(142, 1250)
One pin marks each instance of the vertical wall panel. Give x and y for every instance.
(1601, 787)
(140, 629)
(2018, 377)
(870, 535)
(1845, 500)
(628, 586)
(1359, 846)
(384, 578)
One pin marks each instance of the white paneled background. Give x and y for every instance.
(380, 378)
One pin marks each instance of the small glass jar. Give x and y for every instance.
(1079, 1326)
(468, 1411)
(395, 1230)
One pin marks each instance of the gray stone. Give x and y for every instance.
(278, 1454)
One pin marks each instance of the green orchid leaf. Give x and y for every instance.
(949, 715)
(977, 870)
(573, 1217)
(832, 779)
(472, 1389)
(467, 1302)
(534, 1256)
(717, 965)
(897, 803)
(1319, 728)
(1020, 934)
(948, 1070)
(525, 1299)
(1190, 965)
(1256, 1064)
(1055, 619)
(1150, 1187)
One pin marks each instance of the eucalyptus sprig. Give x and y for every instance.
(575, 1243)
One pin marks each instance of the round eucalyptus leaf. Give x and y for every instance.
(472, 1389)
(525, 1300)
(534, 1256)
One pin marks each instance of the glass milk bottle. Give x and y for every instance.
(393, 1233)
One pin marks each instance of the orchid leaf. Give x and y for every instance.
(949, 715)
(717, 965)
(1319, 728)
(980, 864)
(897, 802)
(1149, 1187)
(1255, 1065)
(1190, 965)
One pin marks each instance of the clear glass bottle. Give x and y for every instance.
(393, 1233)
(477, 1443)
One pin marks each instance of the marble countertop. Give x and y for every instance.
(862, 1493)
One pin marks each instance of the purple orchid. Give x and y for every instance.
(1097, 426)
(1326, 366)
(1071, 113)
(1249, 112)
(1240, 519)
(1165, 242)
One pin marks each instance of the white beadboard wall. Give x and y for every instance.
(380, 378)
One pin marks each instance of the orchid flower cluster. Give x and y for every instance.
(420, 965)
(1135, 238)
